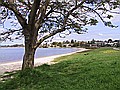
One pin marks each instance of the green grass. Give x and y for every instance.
(94, 70)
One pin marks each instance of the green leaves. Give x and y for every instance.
(109, 24)
(1, 1)
(60, 16)
(93, 21)
(109, 16)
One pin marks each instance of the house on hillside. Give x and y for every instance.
(100, 43)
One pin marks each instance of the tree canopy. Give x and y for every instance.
(38, 20)
(54, 16)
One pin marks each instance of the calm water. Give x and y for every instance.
(16, 54)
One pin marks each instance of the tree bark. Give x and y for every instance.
(28, 59)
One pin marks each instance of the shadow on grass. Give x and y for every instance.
(93, 71)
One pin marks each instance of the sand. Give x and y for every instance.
(12, 66)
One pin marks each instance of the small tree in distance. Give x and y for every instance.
(38, 20)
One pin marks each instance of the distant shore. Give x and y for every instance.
(12, 66)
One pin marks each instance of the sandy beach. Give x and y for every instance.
(8, 67)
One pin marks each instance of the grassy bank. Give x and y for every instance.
(94, 70)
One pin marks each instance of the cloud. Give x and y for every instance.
(100, 34)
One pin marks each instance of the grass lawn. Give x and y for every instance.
(93, 70)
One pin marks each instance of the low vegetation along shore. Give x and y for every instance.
(97, 69)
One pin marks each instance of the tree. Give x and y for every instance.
(38, 20)
(93, 41)
(110, 41)
(59, 44)
(67, 42)
(72, 41)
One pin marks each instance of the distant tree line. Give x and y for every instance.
(15, 45)
(84, 44)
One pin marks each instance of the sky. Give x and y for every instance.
(98, 32)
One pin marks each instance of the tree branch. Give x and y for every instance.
(24, 3)
(43, 12)
(10, 32)
(63, 27)
(19, 16)
(34, 9)
(96, 13)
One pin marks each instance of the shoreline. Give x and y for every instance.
(40, 55)
(12, 66)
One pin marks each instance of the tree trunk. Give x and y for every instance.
(30, 33)
(28, 59)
